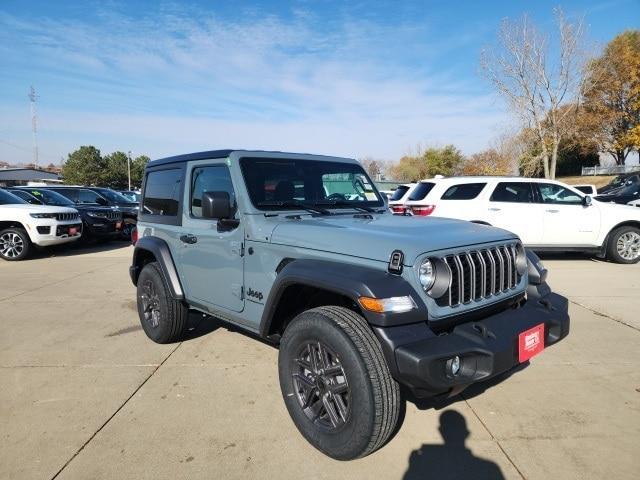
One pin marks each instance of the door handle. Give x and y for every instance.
(494, 209)
(189, 238)
(553, 211)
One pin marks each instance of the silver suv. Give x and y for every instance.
(301, 251)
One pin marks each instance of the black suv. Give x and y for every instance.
(98, 222)
(105, 197)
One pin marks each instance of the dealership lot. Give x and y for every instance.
(86, 395)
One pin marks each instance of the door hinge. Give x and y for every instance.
(237, 248)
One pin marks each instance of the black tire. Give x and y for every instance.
(163, 319)
(372, 399)
(618, 238)
(15, 244)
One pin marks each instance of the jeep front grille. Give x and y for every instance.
(480, 274)
(66, 216)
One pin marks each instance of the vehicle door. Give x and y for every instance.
(211, 256)
(567, 221)
(511, 206)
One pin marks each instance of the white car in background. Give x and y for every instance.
(23, 225)
(546, 214)
(399, 197)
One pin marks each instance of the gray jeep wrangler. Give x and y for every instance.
(302, 251)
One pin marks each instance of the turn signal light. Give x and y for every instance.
(424, 210)
(392, 304)
(134, 236)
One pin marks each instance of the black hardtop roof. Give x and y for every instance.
(210, 154)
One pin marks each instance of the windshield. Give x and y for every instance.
(51, 198)
(283, 183)
(399, 192)
(7, 198)
(113, 196)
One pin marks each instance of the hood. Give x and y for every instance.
(375, 238)
(39, 208)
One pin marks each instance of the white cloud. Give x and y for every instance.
(171, 83)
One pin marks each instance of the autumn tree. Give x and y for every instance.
(432, 161)
(373, 167)
(611, 113)
(488, 162)
(536, 84)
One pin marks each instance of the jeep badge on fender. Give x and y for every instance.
(359, 302)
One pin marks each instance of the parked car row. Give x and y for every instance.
(52, 215)
(546, 214)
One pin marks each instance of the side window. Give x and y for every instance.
(557, 194)
(463, 191)
(214, 178)
(70, 193)
(162, 192)
(512, 192)
(87, 196)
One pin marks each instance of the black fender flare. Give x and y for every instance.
(160, 250)
(351, 281)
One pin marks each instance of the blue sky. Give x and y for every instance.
(347, 78)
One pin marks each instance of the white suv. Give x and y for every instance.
(547, 215)
(399, 197)
(23, 225)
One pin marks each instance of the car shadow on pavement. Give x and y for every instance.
(199, 324)
(451, 459)
(77, 248)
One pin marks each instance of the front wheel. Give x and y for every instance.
(163, 319)
(14, 244)
(336, 384)
(624, 245)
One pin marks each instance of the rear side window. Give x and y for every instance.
(399, 192)
(213, 178)
(70, 193)
(513, 192)
(463, 191)
(162, 193)
(421, 190)
(87, 196)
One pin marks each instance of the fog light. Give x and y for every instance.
(453, 366)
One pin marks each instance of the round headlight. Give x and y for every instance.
(427, 274)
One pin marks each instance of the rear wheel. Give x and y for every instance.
(15, 244)
(624, 245)
(336, 384)
(163, 319)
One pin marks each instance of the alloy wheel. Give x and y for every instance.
(628, 245)
(11, 245)
(150, 304)
(321, 386)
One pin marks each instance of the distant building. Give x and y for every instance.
(22, 176)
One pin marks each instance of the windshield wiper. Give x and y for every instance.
(294, 204)
(347, 203)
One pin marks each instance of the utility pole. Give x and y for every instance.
(129, 168)
(34, 124)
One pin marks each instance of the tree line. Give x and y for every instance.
(87, 166)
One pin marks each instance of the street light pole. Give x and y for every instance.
(129, 168)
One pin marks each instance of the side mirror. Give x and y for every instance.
(586, 200)
(216, 205)
(101, 201)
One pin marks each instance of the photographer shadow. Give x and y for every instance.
(452, 459)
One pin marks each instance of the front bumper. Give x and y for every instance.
(45, 234)
(418, 357)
